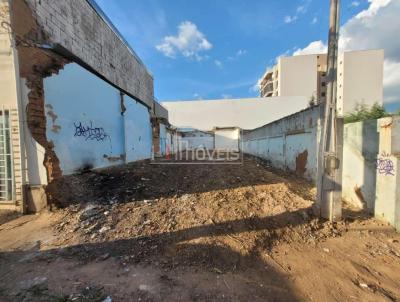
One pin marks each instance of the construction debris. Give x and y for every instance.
(201, 234)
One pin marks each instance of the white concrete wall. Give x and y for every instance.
(138, 132)
(360, 79)
(371, 157)
(227, 139)
(196, 140)
(298, 76)
(360, 150)
(290, 143)
(243, 113)
(387, 205)
(85, 123)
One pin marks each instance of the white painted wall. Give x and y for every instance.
(85, 124)
(196, 140)
(371, 159)
(387, 205)
(287, 143)
(82, 102)
(227, 139)
(243, 113)
(360, 150)
(138, 132)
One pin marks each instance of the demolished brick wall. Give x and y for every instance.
(48, 32)
(35, 64)
(77, 26)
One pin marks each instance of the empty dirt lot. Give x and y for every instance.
(147, 232)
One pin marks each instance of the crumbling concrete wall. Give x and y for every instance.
(79, 28)
(360, 151)
(290, 143)
(387, 204)
(35, 64)
(371, 159)
(50, 36)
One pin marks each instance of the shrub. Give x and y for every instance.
(363, 113)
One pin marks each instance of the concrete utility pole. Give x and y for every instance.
(329, 186)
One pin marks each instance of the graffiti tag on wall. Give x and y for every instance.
(89, 132)
(385, 165)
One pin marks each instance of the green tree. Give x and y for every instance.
(363, 113)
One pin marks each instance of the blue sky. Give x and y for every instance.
(219, 48)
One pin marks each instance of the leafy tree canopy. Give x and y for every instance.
(363, 113)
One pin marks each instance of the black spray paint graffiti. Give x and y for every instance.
(89, 132)
(385, 165)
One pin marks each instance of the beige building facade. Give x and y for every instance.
(360, 78)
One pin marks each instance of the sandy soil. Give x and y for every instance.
(195, 233)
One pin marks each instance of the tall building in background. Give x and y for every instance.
(360, 78)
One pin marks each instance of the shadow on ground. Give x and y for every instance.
(248, 273)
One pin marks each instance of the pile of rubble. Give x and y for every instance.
(91, 221)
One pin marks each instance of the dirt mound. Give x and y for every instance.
(248, 211)
(195, 233)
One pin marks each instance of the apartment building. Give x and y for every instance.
(360, 78)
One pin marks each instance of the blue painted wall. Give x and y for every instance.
(163, 139)
(138, 132)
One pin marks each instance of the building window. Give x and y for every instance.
(323, 84)
(323, 94)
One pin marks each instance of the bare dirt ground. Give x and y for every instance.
(195, 233)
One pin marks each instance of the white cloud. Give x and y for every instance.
(314, 20)
(239, 53)
(355, 4)
(226, 96)
(218, 63)
(300, 10)
(373, 28)
(197, 96)
(189, 42)
(256, 87)
(290, 19)
(312, 48)
(373, 8)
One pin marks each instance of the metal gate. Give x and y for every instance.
(6, 158)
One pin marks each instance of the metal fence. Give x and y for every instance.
(6, 158)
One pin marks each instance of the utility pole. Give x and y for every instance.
(330, 153)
